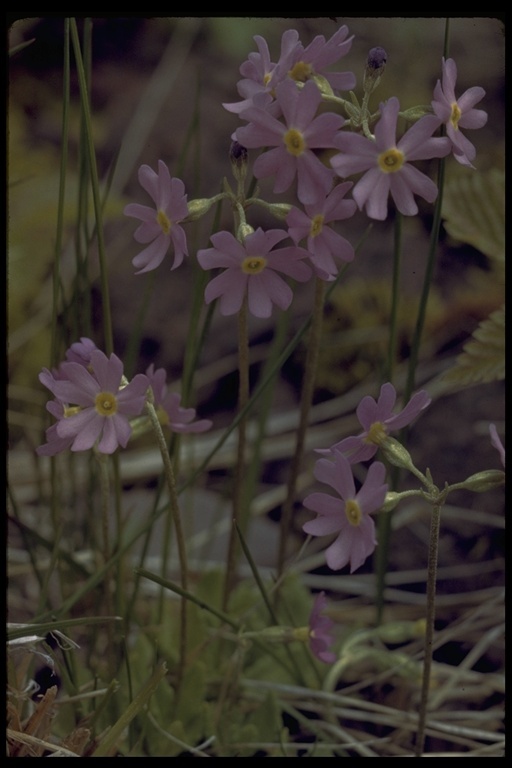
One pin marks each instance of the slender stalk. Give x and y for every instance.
(308, 386)
(429, 636)
(180, 540)
(238, 490)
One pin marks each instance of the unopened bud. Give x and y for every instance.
(375, 65)
(244, 230)
(238, 158)
(200, 206)
(484, 481)
(396, 454)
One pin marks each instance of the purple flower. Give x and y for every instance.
(101, 403)
(458, 113)
(160, 225)
(324, 244)
(306, 63)
(293, 140)
(348, 515)
(80, 351)
(320, 631)
(168, 407)
(496, 442)
(387, 162)
(378, 420)
(54, 444)
(252, 268)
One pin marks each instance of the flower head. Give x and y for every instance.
(293, 140)
(160, 225)
(458, 113)
(378, 420)
(323, 243)
(96, 405)
(80, 351)
(496, 442)
(168, 407)
(387, 162)
(253, 268)
(320, 631)
(310, 62)
(348, 514)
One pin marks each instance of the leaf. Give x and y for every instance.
(474, 211)
(483, 357)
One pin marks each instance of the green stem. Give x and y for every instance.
(180, 539)
(238, 490)
(429, 636)
(305, 405)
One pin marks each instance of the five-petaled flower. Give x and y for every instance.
(252, 268)
(323, 243)
(293, 141)
(320, 631)
(458, 113)
(96, 404)
(348, 515)
(378, 420)
(160, 225)
(168, 408)
(387, 162)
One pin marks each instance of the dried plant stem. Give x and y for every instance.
(238, 490)
(308, 386)
(429, 635)
(180, 539)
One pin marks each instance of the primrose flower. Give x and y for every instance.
(307, 63)
(54, 444)
(320, 631)
(496, 442)
(168, 408)
(292, 142)
(160, 225)
(378, 420)
(80, 351)
(253, 268)
(388, 163)
(348, 515)
(323, 243)
(458, 113)
(100, 403)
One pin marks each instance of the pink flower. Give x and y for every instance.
(387, 162)
(306, 63)
(160, 225)
(168, 407)
(348, 515)
(324, 244)
(320, 631)
(458, 113)
(378, 420)
(102, 404)
(293, 140)
(252, 268)
(496, 442)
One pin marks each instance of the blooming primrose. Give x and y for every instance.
(458, 113)
(167, 405)
(307, 63)
(160, 225)
(378, 420)
(387, 162)
(293, 141)
(100, 404)
(252, 268)
(323, 243)
(348, 515)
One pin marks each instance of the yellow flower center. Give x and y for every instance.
(376, 434)
(353, 512)
(317, 223)
(252, 265)
(105, 403)
(391, 160)
(294, 142)
(455, 116)
(164, 221)
(71, 410)
(300, 71)
(266, 78)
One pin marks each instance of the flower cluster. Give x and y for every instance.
(94, 402)
(348, 513)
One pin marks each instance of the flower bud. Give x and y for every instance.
(375, 65)
(244, 230)
(396, 454)
(238, 158)
(484, 481)
(200, 206)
